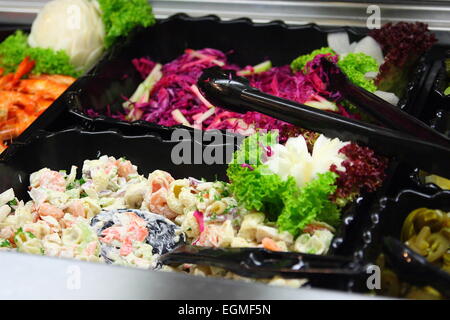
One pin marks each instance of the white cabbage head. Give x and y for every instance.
(74, 26)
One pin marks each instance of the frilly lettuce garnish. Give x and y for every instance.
(259, 189)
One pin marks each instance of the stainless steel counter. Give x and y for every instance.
(354, 13)
(24, 276)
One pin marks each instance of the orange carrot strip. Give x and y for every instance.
(270, 244)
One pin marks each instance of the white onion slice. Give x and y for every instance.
(371, 75)
(369, 46)
(353, 46)
(387, 96)
(339, 42)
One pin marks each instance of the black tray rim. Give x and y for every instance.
(440, 84)
(429, 188)
(41, 134)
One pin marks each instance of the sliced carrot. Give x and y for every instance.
(270, 244)
(24, 67)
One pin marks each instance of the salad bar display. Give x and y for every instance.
(314, 179)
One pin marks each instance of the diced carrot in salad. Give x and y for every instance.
(270, 244)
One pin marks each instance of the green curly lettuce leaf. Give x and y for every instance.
(121, 16)
(250, 182)
(355, 66)
(302, 206)
(15, 48)
(257, 188)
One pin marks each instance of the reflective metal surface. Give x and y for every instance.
(24, 276)
(351, 13)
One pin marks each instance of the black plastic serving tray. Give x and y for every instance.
(388, 215)
(56, 117)
(106, 83)
(433, 108)
(441, 123)
(386, 219)
(441, 83)
(61, 150)
(248, 43)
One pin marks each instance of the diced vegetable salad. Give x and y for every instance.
(280, 196)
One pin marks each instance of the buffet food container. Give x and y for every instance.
(115, 77)
(433, 108)
(387, 216)
(149, 152)
(106, 84)
(72, 146)
(64, 135)
(386, 219)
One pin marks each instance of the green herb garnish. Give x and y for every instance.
(15, 48)
(30, 235)
(5, 244)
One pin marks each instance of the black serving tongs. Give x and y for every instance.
(261, 263)
(426, 149)
(387, 114)
(168, 241)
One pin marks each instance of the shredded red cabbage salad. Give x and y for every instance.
(176, 92)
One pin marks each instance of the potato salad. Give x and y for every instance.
(67, 217)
